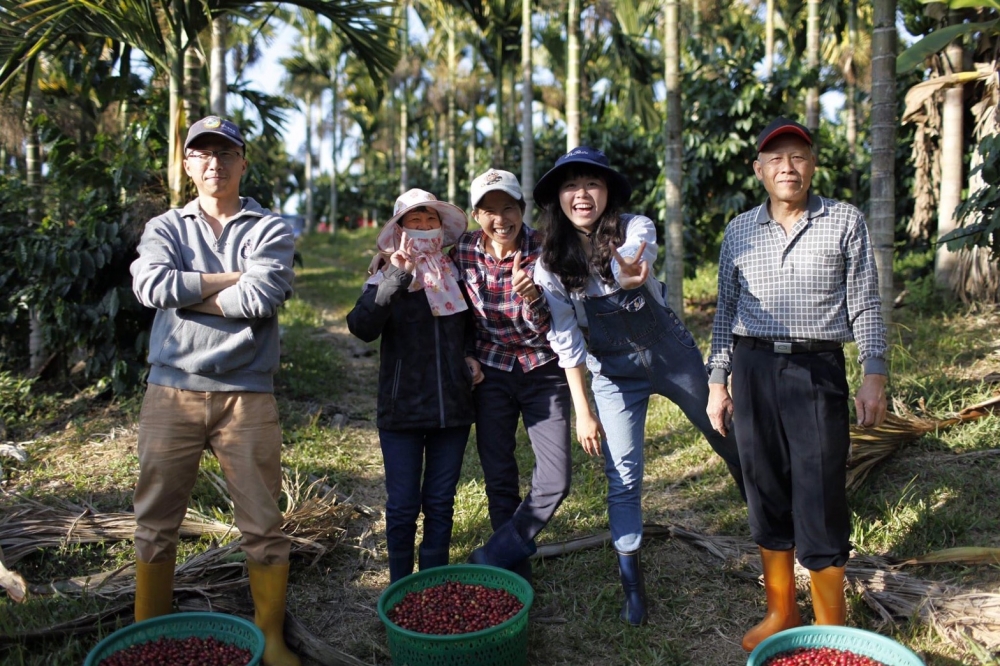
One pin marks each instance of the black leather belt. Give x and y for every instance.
(789, 347)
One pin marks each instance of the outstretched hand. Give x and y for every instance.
(402, 258)
(522, 283)
(634, 270)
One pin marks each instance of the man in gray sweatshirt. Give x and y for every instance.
(216, 271)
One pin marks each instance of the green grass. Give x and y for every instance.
(926, 497)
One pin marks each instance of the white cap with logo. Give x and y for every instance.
(495, 179)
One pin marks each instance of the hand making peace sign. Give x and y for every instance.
(522, 282)
(634, 270)
(401, 258)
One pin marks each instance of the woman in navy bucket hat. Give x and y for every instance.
(609, 316)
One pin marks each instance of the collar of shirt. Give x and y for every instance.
(814, 208)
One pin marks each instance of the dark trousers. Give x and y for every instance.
(541, 397)
(422, 468)
(793, 432)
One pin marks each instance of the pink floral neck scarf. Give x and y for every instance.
(433, 272)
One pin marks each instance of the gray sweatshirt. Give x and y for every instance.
(203, 352)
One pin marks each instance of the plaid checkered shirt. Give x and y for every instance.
(508, 329)
(819, 282)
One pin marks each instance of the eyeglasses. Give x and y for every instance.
(225, 156)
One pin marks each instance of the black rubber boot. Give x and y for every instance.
(400, 566)
(634, 608)
(430, 559)
(507, 550)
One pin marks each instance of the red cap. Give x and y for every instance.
(782, 125)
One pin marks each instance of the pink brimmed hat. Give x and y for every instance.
(454, 222)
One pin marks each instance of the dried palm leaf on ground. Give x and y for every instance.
(316, 522)
(27, 526)
(966, 555)
(956, 614)
(870, 446)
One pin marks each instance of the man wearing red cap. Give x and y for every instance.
(797, 279)
(216, 271)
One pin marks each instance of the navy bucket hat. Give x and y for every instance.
(582, 158)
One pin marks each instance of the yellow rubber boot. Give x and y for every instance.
(779, 586)
(154, 589)
(268, 586)
(829, 603)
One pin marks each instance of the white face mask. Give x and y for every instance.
(423, 234)
(427, 241)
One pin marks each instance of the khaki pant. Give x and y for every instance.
(243, 432)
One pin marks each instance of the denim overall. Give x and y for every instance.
(637, 347)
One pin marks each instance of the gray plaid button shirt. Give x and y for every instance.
(817, 283)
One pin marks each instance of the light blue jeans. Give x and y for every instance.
(638, 347)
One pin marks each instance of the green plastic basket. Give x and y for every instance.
(224, 628)
(506, 644)
(866, 643)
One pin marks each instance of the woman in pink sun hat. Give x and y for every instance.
(425, 409)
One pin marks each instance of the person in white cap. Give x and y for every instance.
(522, 378)
(216, 271)
(413, 301)
(797, 279)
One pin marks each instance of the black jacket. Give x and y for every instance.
(423, 381)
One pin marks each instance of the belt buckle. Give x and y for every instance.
(782, 347)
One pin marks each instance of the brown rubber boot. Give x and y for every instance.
(154, 589)
(779, 586)
(829, 603)
(268, 586)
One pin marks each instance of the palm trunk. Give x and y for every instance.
(310, 219)
(404, 132)
(573, 76)
(471, 150)
(192, 82)
(436, 151)
(218, 87)
(977, 279)
(175, 144)
(952, 179)
(498, 128)
(672, 271)
(769, 39)
(452, 158)
(335, 147)
(527, 120)
(124, 73)
(33, 162)
(883, 138)
(812, 62)
(851, 101)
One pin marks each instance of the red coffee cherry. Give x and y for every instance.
(191, 651)
(454, 608)
(820, 656)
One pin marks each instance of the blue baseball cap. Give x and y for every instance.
(582, 158)
(217, 126)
